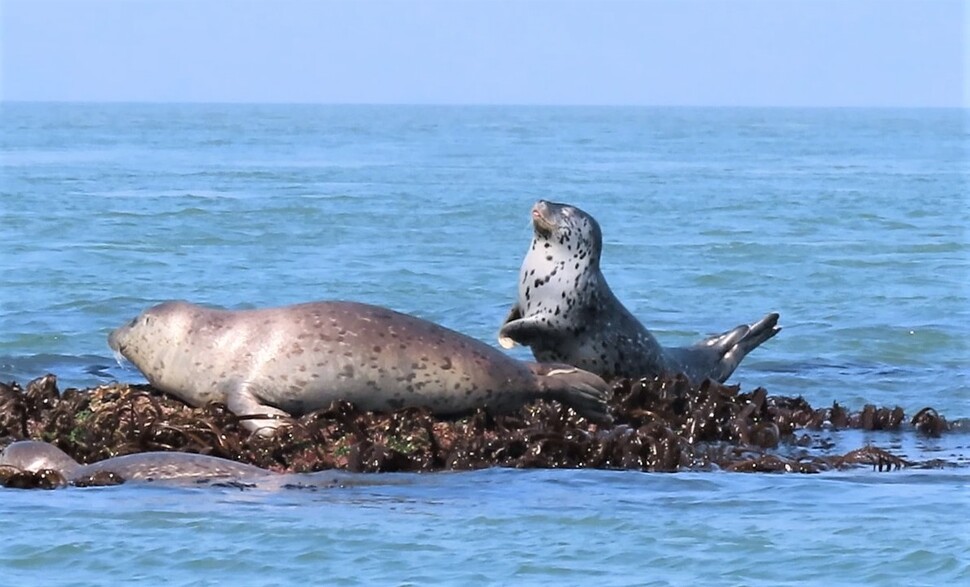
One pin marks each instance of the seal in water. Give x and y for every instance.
(567, 313)
(33, 456)
(292, 360)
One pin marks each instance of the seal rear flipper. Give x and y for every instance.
(246, 405)
(756, 334)
(724, 342)
(745, 336)
(736, 344)
(585, 392)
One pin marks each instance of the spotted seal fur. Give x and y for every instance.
(567, 313)
(33, 456)
(291, 360)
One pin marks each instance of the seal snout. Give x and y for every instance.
(541, 221)
(114, 339)
(116, 342)
(116, 347)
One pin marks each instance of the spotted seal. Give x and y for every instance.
(170, 468)
(33, 456)
(291, 360)
(566, 312)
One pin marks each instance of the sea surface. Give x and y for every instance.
(854, 224)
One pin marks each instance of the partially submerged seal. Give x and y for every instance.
(41, 464)
(296, 359)
(566, 312)
(33, 456)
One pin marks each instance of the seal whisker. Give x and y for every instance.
(119, 358)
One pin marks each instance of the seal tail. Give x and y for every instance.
(736, 344)
(757, 333)
(583, 391)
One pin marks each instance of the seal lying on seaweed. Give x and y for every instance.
(291, 360)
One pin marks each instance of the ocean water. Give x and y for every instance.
(852, 223)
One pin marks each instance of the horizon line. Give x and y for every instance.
(4, 101)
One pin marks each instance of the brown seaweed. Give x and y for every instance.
(661, 424)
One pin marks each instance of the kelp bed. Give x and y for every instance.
(659, 425)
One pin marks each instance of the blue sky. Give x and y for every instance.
(687, 52)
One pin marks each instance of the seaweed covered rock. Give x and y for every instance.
(662, 424)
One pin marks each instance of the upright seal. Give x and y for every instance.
(291, 360)
(568, 314)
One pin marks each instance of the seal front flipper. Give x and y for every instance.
(525, 331)
(514, 314)
(585, 392)
(243, 400)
